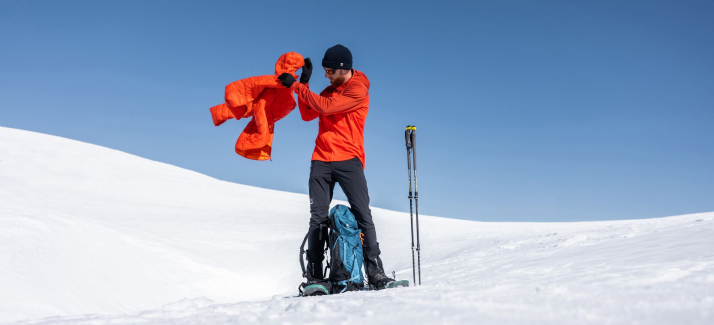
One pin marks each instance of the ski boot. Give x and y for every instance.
(316, 285)
(381, 281)
(375, 271)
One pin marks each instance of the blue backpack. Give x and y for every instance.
(346, 259)
(345, 250)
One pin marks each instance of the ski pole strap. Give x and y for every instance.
(413, 143)
(407, 137)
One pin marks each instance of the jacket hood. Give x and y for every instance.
(289, 63)
(361, 77)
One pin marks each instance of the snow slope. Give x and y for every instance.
(90, 235)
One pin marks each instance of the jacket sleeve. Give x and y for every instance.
(352, 98)
(307, 113)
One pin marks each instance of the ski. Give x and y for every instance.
(320, 290)
(398, 284)
(315, 290)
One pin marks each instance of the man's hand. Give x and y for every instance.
(286, 79)
(306, 71)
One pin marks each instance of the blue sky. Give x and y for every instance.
(526, 110)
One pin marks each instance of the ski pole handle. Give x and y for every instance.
(407, 137)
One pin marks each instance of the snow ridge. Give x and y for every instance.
(91, 235)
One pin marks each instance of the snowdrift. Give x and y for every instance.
(94, 235)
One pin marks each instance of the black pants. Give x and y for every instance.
(350, 175)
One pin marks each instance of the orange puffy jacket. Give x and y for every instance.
(342, 111)
(266, 100)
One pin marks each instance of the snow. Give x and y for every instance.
(91, 235)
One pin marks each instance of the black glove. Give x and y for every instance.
(306, 71)
(286, 79)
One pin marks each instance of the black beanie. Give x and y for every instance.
(337, 57)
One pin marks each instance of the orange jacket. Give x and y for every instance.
(342, 111)
(266, 100)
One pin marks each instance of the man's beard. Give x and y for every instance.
(338, 80)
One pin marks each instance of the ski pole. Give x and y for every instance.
(416, 201)
(407, 138)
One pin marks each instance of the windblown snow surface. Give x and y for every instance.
(90, 235)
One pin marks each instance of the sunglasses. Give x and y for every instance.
(329, 71)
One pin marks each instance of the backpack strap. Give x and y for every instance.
(302, 250)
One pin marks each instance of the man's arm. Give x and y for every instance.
(307, 113)
(352, 98)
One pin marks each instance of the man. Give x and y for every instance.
(339, 154)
